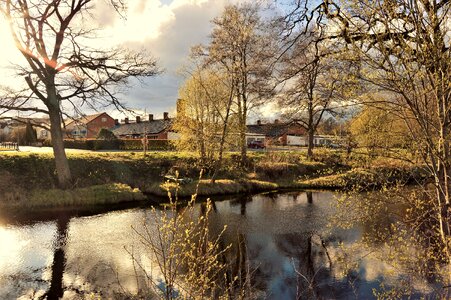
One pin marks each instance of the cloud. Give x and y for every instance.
(183, 23)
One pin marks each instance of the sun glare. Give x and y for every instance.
(9, 246)
(7, 50)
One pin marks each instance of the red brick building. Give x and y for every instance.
(279, 133)
(88, 127)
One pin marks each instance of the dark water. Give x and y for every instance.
(293, 247)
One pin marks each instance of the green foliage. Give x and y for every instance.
(190, 255)
(204, 123)
(105, 134)
(380, 129)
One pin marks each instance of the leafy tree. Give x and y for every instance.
(379, 129)
(60, 68)
(205, 120)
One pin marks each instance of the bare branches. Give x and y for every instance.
(78, 71)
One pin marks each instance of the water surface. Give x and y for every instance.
(293, 247)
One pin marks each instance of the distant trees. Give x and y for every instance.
(61, 69)
(30, 134)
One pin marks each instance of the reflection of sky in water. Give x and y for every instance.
(25, 254)
(281, 231)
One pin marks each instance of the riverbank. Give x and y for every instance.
(28, 180)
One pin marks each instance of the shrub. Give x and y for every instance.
(105, 134)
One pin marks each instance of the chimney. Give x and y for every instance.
(166, 115)
(150, 117)
(259, 122)
(138, 119)
(116, 121)
(126, 121)
(276, 121)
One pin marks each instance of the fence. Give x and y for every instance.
(9, 146)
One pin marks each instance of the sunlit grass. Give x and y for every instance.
(94, 195)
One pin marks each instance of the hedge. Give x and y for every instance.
(134, 144)
(151, 145)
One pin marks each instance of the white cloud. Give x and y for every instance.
(143, 21)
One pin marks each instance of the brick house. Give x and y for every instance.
(88, 127)
(280, 133)
(155, 129)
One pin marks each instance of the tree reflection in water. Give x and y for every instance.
(397, 231)
(56, 290)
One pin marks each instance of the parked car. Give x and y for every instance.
(256, 145)
(333, 146)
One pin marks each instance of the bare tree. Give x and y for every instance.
(60, 67)
(315, 80)
(239, 44)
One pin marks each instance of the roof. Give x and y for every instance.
(152, 127)
(86, 119)
(274, 129)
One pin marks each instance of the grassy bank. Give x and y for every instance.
(207, 188)
(93, 195)
(30, 179)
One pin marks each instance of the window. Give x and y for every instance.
(103, 120)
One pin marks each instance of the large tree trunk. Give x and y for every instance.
(62, 165)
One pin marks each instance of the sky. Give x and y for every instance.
(166, 29)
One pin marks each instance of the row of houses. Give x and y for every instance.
(277, 133)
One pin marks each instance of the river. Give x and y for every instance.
(295, 250)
